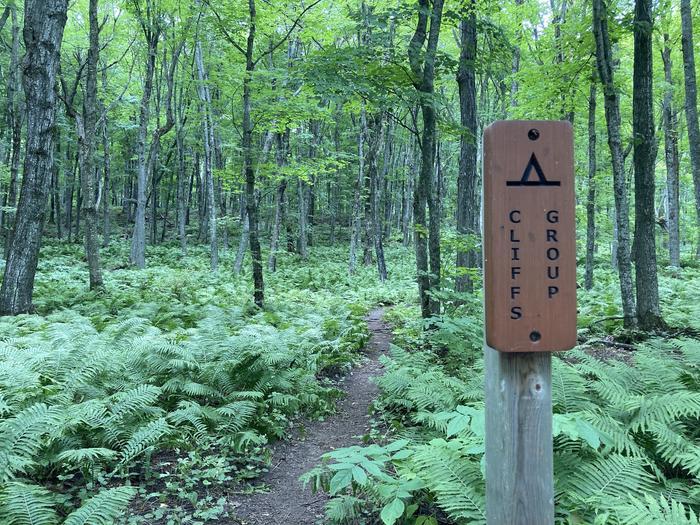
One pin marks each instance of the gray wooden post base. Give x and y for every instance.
(519, 471)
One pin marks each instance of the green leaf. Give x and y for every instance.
(340, 481)
(396, 445)
(457, 424)
(402, 454)
(359, 475)
(392, 512)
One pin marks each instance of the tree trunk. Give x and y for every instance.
(68, 191)
(14, 117)
(407, 214)
(107, 189)
(56, 191)
(691, 104)
(374, 197)
(367, 183)
(86, 143)
(303, 198)
(356, 218)
(467, 180)
(44, 21)
(423, 69)
(670, 121)
(208, 140)
(245, 235)
(648, 311)
(138, 241)
(590, 200)
(181, 191)
(281, 158)
(612, 117)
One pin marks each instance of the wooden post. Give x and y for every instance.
(530, 309)
(519, 471)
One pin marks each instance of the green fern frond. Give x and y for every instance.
(651, 511)
(455, 480)
(609, 478)
(23, 435)
(83, 456)
(24, 504)
(103, 508)
(143, 438)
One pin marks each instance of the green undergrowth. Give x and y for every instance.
(626, 428)
(162, 391)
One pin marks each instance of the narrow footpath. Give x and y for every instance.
(288, 502)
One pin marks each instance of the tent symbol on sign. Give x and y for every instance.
(541, 179)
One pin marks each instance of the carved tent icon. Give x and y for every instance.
(541, 179)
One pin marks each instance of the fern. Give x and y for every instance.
(24, 504)
(103, 508)
(143, 438)
(651, 511)
(456, 481)
(22, 436)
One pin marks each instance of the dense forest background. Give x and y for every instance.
(202, 200)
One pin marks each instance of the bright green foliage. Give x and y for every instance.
(102, 509)
(626, 444)
(94, 396)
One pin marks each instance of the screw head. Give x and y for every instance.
(535, 336)
(533, 134)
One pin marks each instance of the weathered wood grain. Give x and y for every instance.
(519, 470)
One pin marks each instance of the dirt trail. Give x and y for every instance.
(288, 502)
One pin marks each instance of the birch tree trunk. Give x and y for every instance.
(670, 120)
(208, 140)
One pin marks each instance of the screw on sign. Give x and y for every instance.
(529, 237)
(530, 309)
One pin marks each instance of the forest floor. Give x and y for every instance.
(287, 501)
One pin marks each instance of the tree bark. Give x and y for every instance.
(281, 159)
(590, 200)
(612, 117)
(356, 218)
(44, 21)
(376, 140)
(208, 140)
(14, 117)
(303, 199)
(670, 121)
(107, 189)
(423, 70)
(181, 180)
(467, 180)
(691, 104)
(87, 148)
(648, 311)
(138, 241)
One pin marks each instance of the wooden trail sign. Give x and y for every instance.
(530, 309)
(529, 236)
